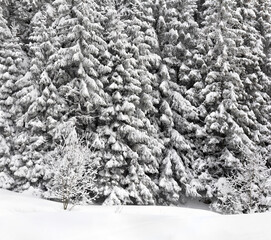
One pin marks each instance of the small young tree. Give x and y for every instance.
(74, 174)
(253, 185)
(247, 191)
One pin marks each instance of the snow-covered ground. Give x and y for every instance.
(24, 217)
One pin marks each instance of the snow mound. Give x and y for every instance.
(24, 217)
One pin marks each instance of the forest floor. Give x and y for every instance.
(24, 217)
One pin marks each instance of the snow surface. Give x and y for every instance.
(24, 217)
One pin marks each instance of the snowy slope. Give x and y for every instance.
(27, 218)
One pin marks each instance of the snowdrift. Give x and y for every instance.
(24, 217)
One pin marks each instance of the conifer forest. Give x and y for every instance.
(146, 102)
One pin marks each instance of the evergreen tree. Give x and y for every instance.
(256, 81)
(131, 150)
(264, 28)
(178, 34)
(75, 68)
(65, 72)
(13, 63)
(231, 118)
(38, 98)
(19, 15)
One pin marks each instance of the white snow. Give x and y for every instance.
(24, 217)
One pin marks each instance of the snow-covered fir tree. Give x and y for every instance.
(13, 62)
(74, 67)
(38, 96)
(230, 119)
(178, 34)
(140, 28)
(126, 145)
(264, 28)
